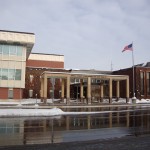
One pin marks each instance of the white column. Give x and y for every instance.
(110, 90)
(45, 87)
(127, 90)
(81, 89)
(62, 89)
(68, 89)
(89, 90)
(118, 90)
(102, 92)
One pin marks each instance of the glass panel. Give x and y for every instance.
(12, 50)
(10, 130)
(19, 50)
(11, 74)
(18, 74)
(2, 130)
(5, 49)
(1, 49)
(4, 74)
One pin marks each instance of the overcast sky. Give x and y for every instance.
(89, 33)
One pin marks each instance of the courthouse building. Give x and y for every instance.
(24, 74)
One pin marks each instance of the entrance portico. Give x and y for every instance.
(66, 81)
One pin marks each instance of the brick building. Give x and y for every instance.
(142, 80)
(35, 66)
(21, 70)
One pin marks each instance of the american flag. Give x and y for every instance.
(128, 47)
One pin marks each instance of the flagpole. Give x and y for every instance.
(133, 72)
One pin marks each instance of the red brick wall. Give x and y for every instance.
(17, 93)
(129, 72)
(43, 64)
(3, 93)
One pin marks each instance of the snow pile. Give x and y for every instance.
(30, 112)
(123, 101)
(35, 102)
(143, 101)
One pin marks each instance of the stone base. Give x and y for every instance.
(45, 100)
(127, 99)
(101, 99)
(117, 98)
(89, 101)
(134, 100)
(110, 100)
(68, 101)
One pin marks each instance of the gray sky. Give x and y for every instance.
(89, 33)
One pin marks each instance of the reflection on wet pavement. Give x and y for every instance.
(118, 122)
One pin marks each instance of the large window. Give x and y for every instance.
(4, 74)
(18, 74)
(148, 83)
(11, 50)
(0, 49)
(10, 74)
(9, 128)
(142, 82)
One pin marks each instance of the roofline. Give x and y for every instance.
(84, 74)
(16, 32)
(48, 54)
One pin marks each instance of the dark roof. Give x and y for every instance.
(143, 65)
(16, 32)
(147, 65)
(139, 65)
(47, 54)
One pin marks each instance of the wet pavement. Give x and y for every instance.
(125, 143)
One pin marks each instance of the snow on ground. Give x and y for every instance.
(50, 101)
(30, 112)
(35, 112)
(39, 112)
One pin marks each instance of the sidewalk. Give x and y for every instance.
(124, 143)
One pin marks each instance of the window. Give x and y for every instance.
(10, 74)
(98, 81)
(9, 128)
(5, 49)
(18, 74)
(11, 50)
(77, 80)
(142, 82)
(4, 74)
(1, 49)
(19, 50)
(148, 83)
